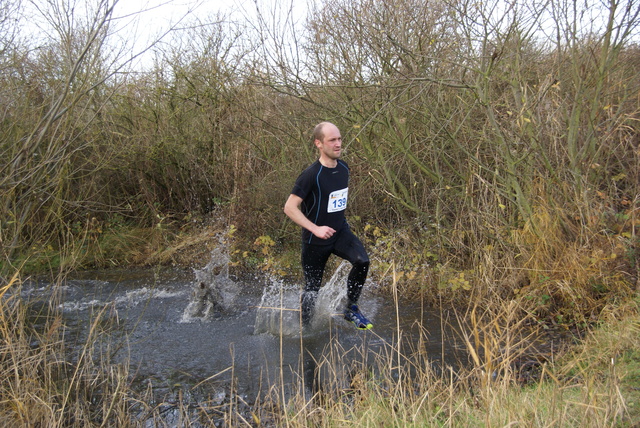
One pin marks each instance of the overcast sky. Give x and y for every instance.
(160, 14)
(137, 23)
(143, 20)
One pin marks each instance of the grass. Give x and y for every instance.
(592, 384)
(43, 384)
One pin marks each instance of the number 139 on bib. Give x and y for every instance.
(338, 200)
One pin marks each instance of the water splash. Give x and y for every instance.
(279, 309)
(213, 291)
(332, 297)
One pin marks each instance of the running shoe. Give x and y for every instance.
(353, 314)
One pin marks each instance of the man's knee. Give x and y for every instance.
(361, 262)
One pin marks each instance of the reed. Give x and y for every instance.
(43, 384)
(396, 383)
(495, 170)
(502, 379)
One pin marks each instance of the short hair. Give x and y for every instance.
(318, 131)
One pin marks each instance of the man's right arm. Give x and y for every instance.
(293, 211)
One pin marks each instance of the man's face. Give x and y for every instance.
(331, 145)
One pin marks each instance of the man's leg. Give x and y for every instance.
(314, 260)
(350, 248)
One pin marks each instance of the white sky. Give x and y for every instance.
(157, 15)
(139, 22)
(146, 19)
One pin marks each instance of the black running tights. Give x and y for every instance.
(314, 259)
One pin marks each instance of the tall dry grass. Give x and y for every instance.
(502, 378)
(498, 166)
(399, 385)
(43, 382)
(446, 116)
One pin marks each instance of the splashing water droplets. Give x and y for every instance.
(279, 309)
(213, 292)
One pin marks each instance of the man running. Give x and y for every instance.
(317, 203)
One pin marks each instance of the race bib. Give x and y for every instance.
(338, 200)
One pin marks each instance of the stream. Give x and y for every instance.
(181, 329)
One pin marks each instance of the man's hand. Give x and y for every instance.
(324, 232)
(292, 210)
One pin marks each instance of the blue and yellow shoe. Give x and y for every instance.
(353, 314)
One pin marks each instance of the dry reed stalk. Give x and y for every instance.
(43, 385)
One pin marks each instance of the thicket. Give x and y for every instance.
(495, 156)
(493, 145)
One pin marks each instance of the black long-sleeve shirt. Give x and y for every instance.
(324, 192)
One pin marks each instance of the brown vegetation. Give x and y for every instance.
(478, 144)
(494, 147)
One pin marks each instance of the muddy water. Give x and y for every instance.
(172, 338)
